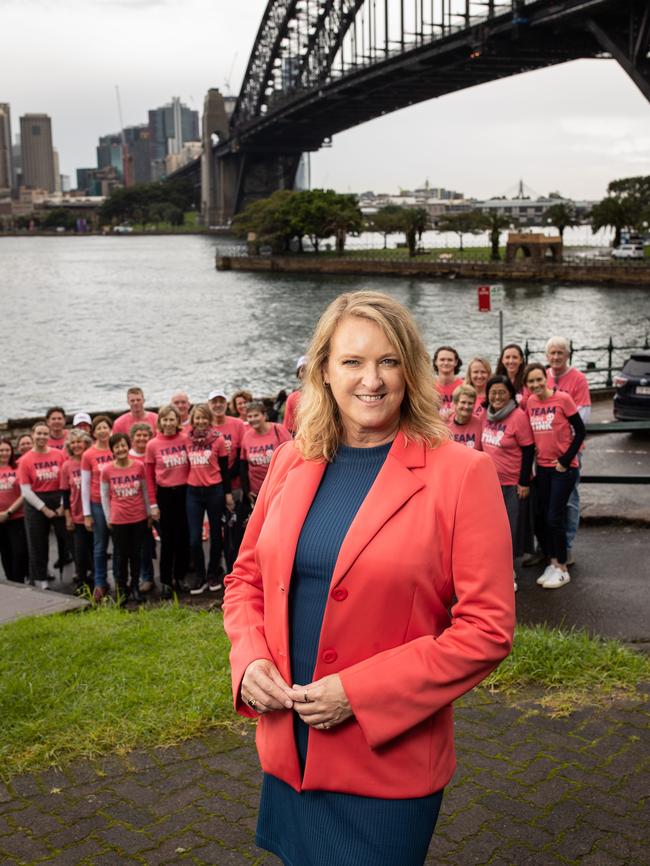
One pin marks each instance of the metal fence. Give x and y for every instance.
(598, 363)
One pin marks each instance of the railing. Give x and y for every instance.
(594, 359)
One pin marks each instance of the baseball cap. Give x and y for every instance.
(217, 393)
(301, 362)
(81, 418)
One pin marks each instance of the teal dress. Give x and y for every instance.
(324, 828)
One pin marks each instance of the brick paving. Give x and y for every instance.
(530, 790)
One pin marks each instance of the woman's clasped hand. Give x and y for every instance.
(322, 704)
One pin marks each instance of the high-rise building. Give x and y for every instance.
(109, 153)
(170, 127)
(37, 152)
(139, 153)
(7, 180)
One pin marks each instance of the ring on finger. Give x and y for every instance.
(252, 703)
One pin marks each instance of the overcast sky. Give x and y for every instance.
(571, 128)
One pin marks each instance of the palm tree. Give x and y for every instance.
(494, 223)
(613, 212)
(561, 215)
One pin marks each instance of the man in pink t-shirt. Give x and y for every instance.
(260, 441)
(232, 430)
(137, 414)
(291, 406)
(446, 364)
(570, 380)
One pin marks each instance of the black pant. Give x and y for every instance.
(37, 527)
(127, 552)
(554, 489)
(13, 549)
(82, 546)
(174, 535)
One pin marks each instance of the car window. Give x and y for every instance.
(639, 366)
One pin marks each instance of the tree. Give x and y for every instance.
(561, 215)
(344, 217)
(494, 223)
(387, 221)
(614, 213)
(272, 220)
(415, 221)
(464, 223)
(59, 217)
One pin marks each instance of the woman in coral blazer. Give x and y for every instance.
(373, 588)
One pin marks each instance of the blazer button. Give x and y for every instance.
(329, 656)
(339, 594)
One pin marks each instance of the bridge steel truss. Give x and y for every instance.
(319, 67)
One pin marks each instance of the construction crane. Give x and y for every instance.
(126, 173)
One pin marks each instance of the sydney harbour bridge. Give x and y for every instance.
(319, 67)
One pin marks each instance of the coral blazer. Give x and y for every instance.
(420, 609)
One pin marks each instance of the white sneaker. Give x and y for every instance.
(544, 576)
(43, 584)
(555, 581)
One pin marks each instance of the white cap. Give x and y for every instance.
(81, 418)
(301, 362)
(217, 393)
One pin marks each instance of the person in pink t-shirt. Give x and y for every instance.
(82, 541)
(559, 432)
(293, 399)
(167, 468)
(479, 371)
(208, 493)
(13, 541)
(55, 419)
(508, 440)
(181, 402)
(39, 475)
(23, 445)
(258, 445)
(238, 403)
(126, 508)
(565, 378)
(92, 461)
(447, 364)
(137, 414)
(140, 435)
(464, 425)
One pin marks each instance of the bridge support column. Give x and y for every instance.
(241, 178)
(215, 128)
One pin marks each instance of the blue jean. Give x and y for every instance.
(202, 500)
(100, 544)
(554, 489)
(573, 509)
(148, 554)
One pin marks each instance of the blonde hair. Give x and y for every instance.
(481, 360)
(201, 409)
(319, 430)
(75, 436)
(464, 390)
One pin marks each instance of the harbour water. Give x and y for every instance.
(85, 317)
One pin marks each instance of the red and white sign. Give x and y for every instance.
(484, 299)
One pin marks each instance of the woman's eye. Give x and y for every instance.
(390, 362)
(350, 362)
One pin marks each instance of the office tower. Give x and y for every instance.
(139, 153)
(170, 127)
(109, 153)
(37, 152)
(6, 161)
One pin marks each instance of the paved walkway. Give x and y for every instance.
(17, 600)
(530, 790)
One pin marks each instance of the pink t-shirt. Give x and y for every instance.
(10, 490)
(92, 461)
(166, 462)
(479, 410)
(290, 410)
(232, 431)
(126, 492)
(551, 429)
(503, 441)
(42, 471)
(59, 444)
(71, 480)
(124, 423)
(574, 383)
(135, 456)
(467, 434)
(204, 461)
(258, 450)
(446, 392)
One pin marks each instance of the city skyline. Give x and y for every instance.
(571, 128)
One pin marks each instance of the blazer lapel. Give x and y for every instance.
(300, 488)
(394, 485)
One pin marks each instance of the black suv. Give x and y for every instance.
(632, 395)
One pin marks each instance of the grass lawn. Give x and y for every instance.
(469, 254)
(84, 685)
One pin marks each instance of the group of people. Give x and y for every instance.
(180, 474)
(530, 419)
(188, 471)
